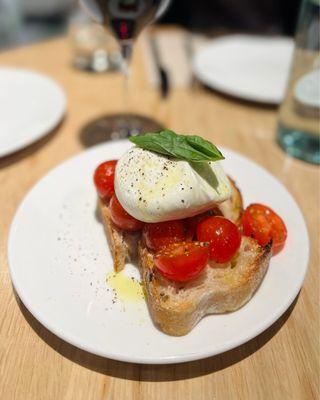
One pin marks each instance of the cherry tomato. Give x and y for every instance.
(121, 218)
(192, 222)
(162, 234)
(264, 225)
(223, 236)
(182, 261)
(104, 179)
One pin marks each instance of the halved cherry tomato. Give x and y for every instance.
(264, 225)
(104, 179)
(162, 234)
(223, 236)
(182, 261)
(121, 218)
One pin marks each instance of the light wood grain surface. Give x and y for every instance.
(282, 363)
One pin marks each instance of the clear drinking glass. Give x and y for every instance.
(93, 48)
(125, 19)
(298, 127)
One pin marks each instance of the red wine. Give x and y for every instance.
(126, 18)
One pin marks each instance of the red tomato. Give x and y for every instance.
(182, 261)
(264, 225)
(162, 234)
(104, 179)
(223, 236)
(192, 222)
(121, 218)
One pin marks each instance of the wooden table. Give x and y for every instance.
(282, 363)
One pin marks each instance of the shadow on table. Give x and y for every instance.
(30, 149)
(114, 127)
(159, 373)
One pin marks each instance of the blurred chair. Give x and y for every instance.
(24, 21)
(46, 8)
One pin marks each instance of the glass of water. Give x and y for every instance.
(298, 127)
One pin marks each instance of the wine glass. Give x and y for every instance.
(125, 19)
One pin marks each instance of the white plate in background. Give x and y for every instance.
(249, 67)
(31, 106)
(59, 259)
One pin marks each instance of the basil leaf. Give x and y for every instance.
(205, 147)
(179, 147)
(182, 147)
(148, 143)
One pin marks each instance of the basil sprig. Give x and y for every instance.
(183, 147)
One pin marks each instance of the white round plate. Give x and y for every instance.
(59, 259)
(253, 68)
(31, 105)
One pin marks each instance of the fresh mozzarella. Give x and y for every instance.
(154, 188)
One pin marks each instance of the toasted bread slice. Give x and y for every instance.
(177, 307)
(124, 245)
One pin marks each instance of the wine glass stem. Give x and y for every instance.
(126, 51)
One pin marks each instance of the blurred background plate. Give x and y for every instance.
(253, 68)
(31, 105)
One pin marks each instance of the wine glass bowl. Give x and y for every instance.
(125, 18)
